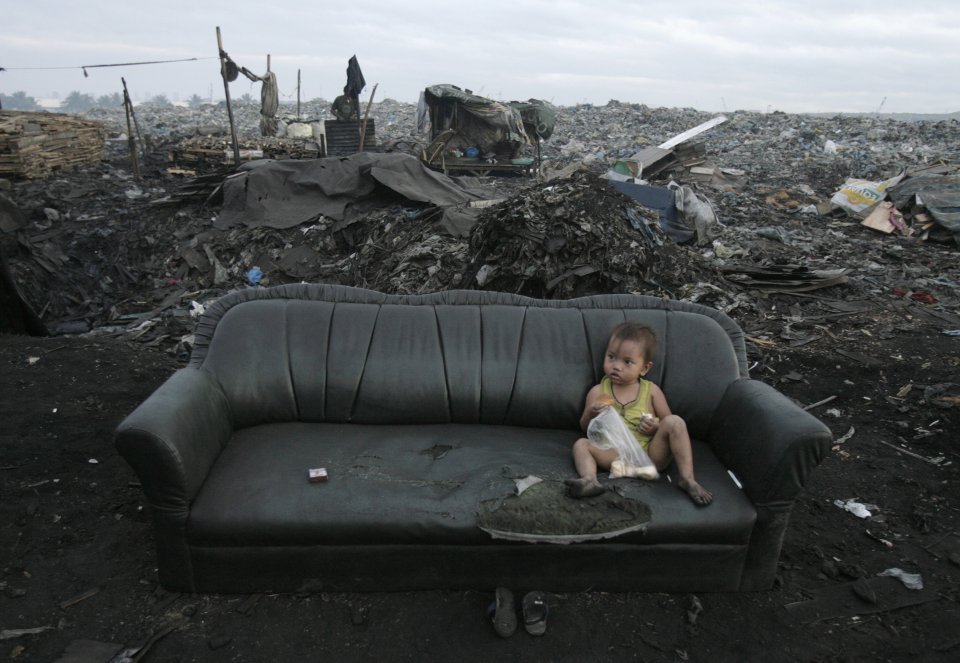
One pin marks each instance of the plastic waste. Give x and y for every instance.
(909, 580)
(696, 212)
(526, 482)
(254, 276)
(856, 508)
(608, 430)
(472, 153)
(859, 197)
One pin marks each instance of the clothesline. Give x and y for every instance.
(96, 66)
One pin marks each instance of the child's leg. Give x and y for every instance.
(587, 458)
(672, 441)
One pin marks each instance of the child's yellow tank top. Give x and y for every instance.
(633, 411)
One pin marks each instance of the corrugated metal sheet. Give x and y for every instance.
(343, 137)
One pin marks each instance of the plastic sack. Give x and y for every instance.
(859, 197)
(608, 430)
(695, 211)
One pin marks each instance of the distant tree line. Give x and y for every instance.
(77, 102)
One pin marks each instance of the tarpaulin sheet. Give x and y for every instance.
(479, 122)
(939, 194)
(285, 193)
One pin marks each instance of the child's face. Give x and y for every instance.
(625, 361)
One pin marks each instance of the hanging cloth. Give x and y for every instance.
(269, 103)
(355, 81)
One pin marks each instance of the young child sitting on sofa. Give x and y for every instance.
(663, 435)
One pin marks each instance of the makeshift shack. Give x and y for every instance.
(470, 133)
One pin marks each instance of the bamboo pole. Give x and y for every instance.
(131, 143)
(226, 92)
(363, 126)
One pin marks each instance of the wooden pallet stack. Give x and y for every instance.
(204, 154)
(35, 145)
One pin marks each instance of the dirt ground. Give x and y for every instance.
(76, 546)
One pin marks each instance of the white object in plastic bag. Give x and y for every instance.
(608, 430)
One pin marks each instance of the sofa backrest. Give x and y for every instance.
(338, 354)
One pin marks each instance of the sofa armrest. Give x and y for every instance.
(769, 442)
(173, 438)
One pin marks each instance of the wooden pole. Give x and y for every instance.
(363, 126)
(145, 142)
(226, 92)
(127, 106)
(298, 94)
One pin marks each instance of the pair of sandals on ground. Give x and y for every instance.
(503, 612)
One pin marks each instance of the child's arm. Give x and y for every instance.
(660, 407)
(591, 407)
(660, 410)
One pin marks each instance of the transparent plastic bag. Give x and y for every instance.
(608, 430)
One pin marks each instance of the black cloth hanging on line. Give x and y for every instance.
(355, 81)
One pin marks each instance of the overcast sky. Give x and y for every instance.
(784, 55)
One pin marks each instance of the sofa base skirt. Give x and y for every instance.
(578, 567)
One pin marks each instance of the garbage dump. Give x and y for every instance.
(94, 250)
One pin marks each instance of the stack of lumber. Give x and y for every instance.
(34, 145)
(205, 154)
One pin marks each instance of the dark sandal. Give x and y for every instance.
(535, 611)
(502, 613)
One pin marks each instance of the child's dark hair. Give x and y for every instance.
(638, 333)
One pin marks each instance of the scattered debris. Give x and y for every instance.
(860, 597)
(856, 508)
(693, 612)
(909, 580)
(93, 591)
(526, 482)
(933, 461)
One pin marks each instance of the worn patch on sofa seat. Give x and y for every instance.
(544, 513)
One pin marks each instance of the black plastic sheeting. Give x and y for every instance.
(939, 194)
(285, 193)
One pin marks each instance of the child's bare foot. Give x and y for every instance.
(697, 493)
(584, 487)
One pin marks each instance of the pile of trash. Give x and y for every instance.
(565, 239)
(97, 250)
(556, 240)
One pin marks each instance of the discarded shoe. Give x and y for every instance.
(502, 613)
(535, 611)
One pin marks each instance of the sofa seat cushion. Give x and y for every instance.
(393, 484)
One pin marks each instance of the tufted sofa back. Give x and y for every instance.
(316, 353)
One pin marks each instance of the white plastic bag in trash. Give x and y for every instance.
(696, 211)
(858, 509)
(909, 580)
(608, 430)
